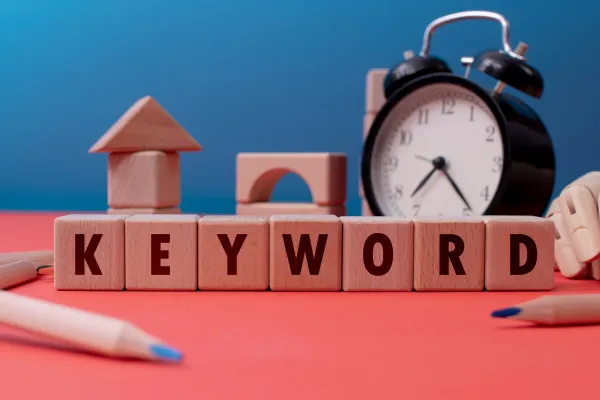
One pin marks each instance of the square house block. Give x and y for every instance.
(144, 179)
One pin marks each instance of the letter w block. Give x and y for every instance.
(89, 252)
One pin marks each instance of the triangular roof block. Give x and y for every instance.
(145, 126)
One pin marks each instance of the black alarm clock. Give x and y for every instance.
(442, 145)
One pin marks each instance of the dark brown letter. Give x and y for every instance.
(388, 254)
(85, 255)
(304, 249)
(447, 256)
(232, 250)
(156, 254)
(530, 259)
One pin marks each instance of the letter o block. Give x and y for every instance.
(449, 254)
(519, 253)
(305, 253)
(161, 252)
(89, 252)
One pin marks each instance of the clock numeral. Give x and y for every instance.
(416, 208)
(467, 212)
(490, 131)
(405, 138)
(485, 193)
(390, 163)
(423, 116)
(472, 114)
(497, 164)
(447, 106)
(398, 192)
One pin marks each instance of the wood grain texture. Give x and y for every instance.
(145, 179)
(233, 253)
(374, 95)
(89, 252)
(135, 211)
(321, 238)
(498, 253)
(268, 209)
(429, 254)
(383, 245)
(161, 252)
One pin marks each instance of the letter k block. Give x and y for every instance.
(89, 252)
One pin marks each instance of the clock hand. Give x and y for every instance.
(456, 189)
(439, 163)
(423, 158)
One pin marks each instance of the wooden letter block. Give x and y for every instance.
(144, 179)
(377, 254)
(519, 253)
(233, 253)
(135, 211)
(449, 254)
(305, 253)
(89, 252)
(375, 98)
(161, 252)
(267, 209)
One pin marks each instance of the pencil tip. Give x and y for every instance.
(506, 312)
(165, 352)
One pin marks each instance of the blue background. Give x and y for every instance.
(261, 75)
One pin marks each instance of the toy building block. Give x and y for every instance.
(89, 252)
(367, 122)
(305, 253)
(268, 209)
(161, 252)
(134, 211)
(365, 209)
(233, 253)
(519, 253)
(449, 254)
(375, 97)
(146, 126)
(377, 254)
(324, 173)
(145, 179)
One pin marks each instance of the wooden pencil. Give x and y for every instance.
(15, 273)
(93, 332)
(579, 309)
(37, 257)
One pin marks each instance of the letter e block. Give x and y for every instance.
(233, 253)
(305, 253)
(161, 252)
(89, 252)
(449, 254)
(377, 254)
(519, 253)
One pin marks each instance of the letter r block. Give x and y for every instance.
(89, 252)
(305, 253)
(161, 252)
(519, 253)
(449, 254)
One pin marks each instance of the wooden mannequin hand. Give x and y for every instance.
(577, 223)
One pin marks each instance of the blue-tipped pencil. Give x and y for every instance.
(580, 309)
(93, 332)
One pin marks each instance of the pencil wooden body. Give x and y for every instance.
(39, 258)
(562, 309)
(15, 273)
(94, 332)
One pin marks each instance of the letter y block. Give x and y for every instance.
(89, 252)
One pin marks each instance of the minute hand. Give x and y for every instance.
(456, 188)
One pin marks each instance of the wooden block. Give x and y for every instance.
(305, 253)
(324, 173)
(145, 179)
(375, 97)
(519, 253)
(233, 253)
(146, 126)
(161, 252)
(135, 211)
(377, 254)
(365, 209)
(449, 254)
(367, 122)
(89, 252)
(267, 209)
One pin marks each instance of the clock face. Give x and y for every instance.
(439, 152)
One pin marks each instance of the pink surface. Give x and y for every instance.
(303, 345)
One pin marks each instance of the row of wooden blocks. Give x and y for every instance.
(302, 253)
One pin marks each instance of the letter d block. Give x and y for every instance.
(89, 252)
(519, 253)
(161, 252)
(305, 253)
(449, 254)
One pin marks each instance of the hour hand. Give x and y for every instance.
(423, 181)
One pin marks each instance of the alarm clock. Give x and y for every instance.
(442, 145)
